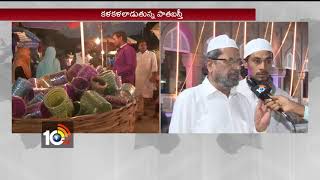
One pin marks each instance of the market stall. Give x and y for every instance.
(95, 100)
(89, 92)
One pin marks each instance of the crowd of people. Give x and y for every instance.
(140, 69)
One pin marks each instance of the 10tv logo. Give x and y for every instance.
(57, 134)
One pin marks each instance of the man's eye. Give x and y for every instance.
(258, 61)
(269, 61)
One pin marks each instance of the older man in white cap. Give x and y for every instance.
(215, 106)
(258, 59)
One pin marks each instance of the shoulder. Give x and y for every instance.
(152, 53)
(243, 88)
(242, 98)
(128, 46)
(189, 95)
(242, 85)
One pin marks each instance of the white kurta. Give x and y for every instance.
(204, 109)
(146, 65)
(277, 122)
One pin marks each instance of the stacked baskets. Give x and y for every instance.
(94, 102)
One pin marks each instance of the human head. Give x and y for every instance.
(142, 46)
(258, 59)
(50, 54)
(223, 61)
(48, 41)
(119, 38)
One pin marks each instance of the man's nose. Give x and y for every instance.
(237, 66)
(263, 65)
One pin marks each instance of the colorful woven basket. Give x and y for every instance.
(120, 120)
(18, 107)
(73, 71)
(87, 72)
(21, 87)
(59, 78)
(58, 103)
(110, 78)
(92, 102)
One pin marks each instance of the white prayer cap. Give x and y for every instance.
(219, 42)
(256, 45)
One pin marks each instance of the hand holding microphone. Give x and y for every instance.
(263, 93)
(284, 103)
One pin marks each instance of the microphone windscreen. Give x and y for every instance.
(261, 91)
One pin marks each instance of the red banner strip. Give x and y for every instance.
(128, 14)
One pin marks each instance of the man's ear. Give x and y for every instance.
(210, 65)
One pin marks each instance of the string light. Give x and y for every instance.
(302, 71)
(177, 62)
(238, 29)
(245, 33)
(293, 55)
(97, 41)
(283, 40)
(271, 35)
(194, 56)
(265, 33)
(82, 42)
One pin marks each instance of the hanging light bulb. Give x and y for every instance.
(102, 52)
(97, 41)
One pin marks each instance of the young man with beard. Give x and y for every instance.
(258, 59)
(215, 106)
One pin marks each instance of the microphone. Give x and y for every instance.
(262, 92)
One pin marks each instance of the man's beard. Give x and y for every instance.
(229, 81)
(268, 82)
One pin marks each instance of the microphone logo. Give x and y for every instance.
(261, 89)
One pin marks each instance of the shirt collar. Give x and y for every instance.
(123, 45)
(208, 88)
(144, 52)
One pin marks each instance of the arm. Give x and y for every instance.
(179, 120)
(154, 68)
(287, 105)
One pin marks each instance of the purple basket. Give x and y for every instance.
(87, 72)
(37, 98)
(80, 85)
(37, 110)
(59, 78)
(18, 107)
(73, 71)
(70, 91)
(29, 96)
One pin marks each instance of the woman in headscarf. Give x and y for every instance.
(21, 64)
(49, 64)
